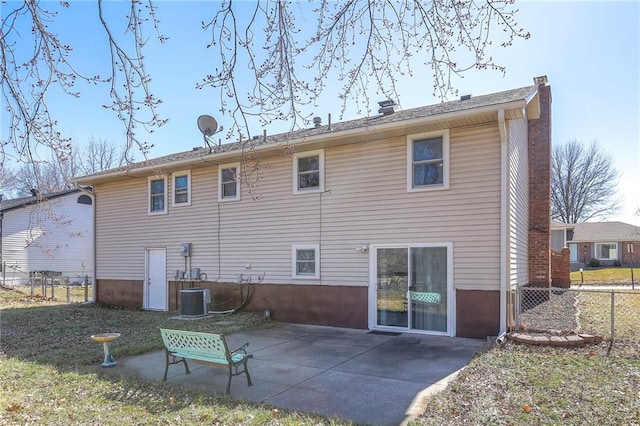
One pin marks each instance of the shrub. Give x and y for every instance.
(617, 263)
(594, 263)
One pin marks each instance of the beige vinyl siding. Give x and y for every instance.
(365, 202)
(519, 203)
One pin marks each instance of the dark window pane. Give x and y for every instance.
(182, 182)
(306, 268)
(307, 254)
(228, 174)
(229, 184)
(305, 262)
(157, 186)
(308, 164)
(84, 199)
(157, 203)
(229, 190)
(309, 180)
(428, 174)
(427, 149)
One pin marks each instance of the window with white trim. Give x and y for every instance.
(157, 195)
(428, 161)
(182, 189)
(305, 261)
(308, 172)
(606, 251)
(229, 182)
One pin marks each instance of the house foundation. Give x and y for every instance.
(336, 306)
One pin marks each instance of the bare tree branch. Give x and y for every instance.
(27, 82)
(268, 64)
(52, 175)
(45, 176)
(130, 91)
(359, 40)
(583, 183)
(99, 155)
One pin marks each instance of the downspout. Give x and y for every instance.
(504, 221)
(94, 248)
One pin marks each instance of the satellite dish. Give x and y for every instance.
(207, 125)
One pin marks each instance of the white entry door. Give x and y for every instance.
(155, 283)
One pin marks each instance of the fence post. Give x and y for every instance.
(517, 307)
(613, 303)
(86, 288)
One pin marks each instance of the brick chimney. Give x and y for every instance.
(540, 191)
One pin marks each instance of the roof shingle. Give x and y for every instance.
(498, 98)
(605, 232)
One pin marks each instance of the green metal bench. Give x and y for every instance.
(206, 348)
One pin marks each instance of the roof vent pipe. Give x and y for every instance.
(317, 122)
(330, 129)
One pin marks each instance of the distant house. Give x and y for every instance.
(559, 235)
(420, 220)
(560, 263)
(604, 243)
(47, 232)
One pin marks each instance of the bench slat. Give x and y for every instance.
(196, 343)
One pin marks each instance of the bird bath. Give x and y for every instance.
(105, 338)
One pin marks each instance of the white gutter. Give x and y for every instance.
(320, 137)
(504, 220)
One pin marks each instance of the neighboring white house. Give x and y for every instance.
(52, 232)
(418, 221)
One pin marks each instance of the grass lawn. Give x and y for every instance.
(608, 276)
(49, 374)
(534, 385)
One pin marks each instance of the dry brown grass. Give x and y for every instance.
(533, 385)
(605, 276)
(596, 317)
(48, 374)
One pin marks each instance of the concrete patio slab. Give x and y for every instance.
(366, 377)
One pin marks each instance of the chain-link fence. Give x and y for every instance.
(613, 314)
(72, 288)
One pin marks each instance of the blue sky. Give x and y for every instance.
(590, 52)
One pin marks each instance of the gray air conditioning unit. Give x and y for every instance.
(194, 301)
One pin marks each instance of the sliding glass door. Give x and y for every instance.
(413, 287)
(393, 279)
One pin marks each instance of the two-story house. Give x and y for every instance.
(420, 220)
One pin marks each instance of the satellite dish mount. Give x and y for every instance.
(208, 127)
